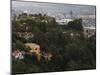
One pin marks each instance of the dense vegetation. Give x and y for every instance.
(70, 50)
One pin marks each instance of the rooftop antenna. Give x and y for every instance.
(71, 14)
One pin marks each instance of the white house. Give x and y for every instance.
(89, 31)
(63, 21)
(18, 54)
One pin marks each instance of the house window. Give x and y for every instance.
(87, 31)
(35, 48)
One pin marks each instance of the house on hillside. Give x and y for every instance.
(89, 31)
(35, 48)
(47, 56)
(17, 54)
(25, 35)
(63, 21)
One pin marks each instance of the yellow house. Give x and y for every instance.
(35, 48)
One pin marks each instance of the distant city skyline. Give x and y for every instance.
(58, 10)
(54, 9)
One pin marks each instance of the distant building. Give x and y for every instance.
(89, 31)
(47, 56)
(63, 21)
(25, 35)
(17, 54)
(88, 22)
(35, 48)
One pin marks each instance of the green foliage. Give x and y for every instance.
(20, 67)
(76, 24)
(70, 52)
